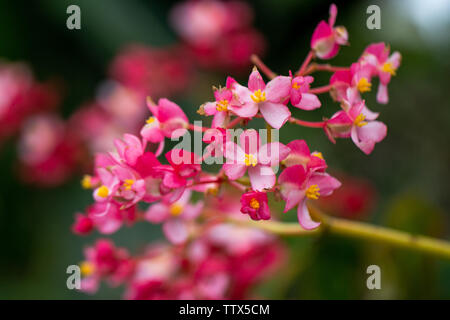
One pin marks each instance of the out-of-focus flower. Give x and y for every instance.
(218, 33)
(175, 217)
(48, 152)
(354, 199)
(104, 261)
(21, 96)
(156, 72)
(168, 120)
(327, 38)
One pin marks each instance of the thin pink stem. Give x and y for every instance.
(234, 122)
(322, 89)
(261, 66)
(196, 128)
(324, 67)
(309, 124)
(306, 62)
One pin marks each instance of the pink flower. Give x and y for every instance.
(105, 261)
(83, 224)
(255, 205)
(175, 217)
(128, 150)
(298, 185)
(254, 157)
(183, 165)
(358, 77)
(326, 38)
(357, 122)
(168, 121)
(300, 154)
(219, 108)
(268, 99)
(382, 65)
(300, 96)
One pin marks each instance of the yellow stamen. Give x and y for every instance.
(87, 268)
(86, 182)
(296, 85)
(254, 204)
(258, 96)
(317, 154)
(128, 183)
(364, 85)
(250, 160)
(222, 105)
(388, 67)
(359, 121)
(150, 120)
(313, 192)
(212, 191)
(176, 209)
(103, 191)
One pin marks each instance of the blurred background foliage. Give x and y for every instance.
(409, 169)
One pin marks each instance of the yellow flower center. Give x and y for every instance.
(212, 191)
(258, 96)
(317, 154)
(296, 85)
(364, 85)
(359, 121)
(250, 160)
(176, 209)
(150, 120)
(313, 192)
(86, 182)
(87, 268)
(388, 67)
(222, 105)
(103, 191)
(128, 183)
(254, 204)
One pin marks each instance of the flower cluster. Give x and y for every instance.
(137, 172)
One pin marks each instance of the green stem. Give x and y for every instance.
(356, 230)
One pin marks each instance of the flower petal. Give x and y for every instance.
(304, 218)
(276, 114)
(261, 177)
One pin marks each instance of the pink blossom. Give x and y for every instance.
(105, 261)
(300, 154)
(298, 185)
(382, 65)
(168, 121)
(358, 77)
(254, 157)
(175, 217)
(268, 99)
(128, 150)
(300, 96)
(356, 121)
(255, 205)
(219, 108)
(327, 38)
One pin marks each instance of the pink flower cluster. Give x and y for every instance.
(208, 267)
(134, 182)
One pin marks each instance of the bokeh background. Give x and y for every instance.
(407, 176)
